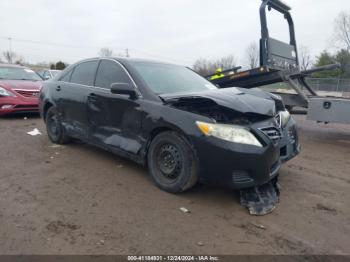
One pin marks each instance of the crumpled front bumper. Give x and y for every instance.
(289, 144)
(242, 166)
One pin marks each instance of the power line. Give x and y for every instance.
(48, 43)
(93, 47)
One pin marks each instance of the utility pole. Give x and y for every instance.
(10, 49)
(127, 52)
(10, 44)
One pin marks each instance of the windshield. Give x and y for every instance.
(13, 73)
(168, 79)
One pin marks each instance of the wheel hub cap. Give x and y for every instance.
(169, 161)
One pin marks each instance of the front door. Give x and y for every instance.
(114, 120)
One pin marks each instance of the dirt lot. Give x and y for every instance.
(78, 199)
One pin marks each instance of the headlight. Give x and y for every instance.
(285, 116)
(231, 133)
(4, 92)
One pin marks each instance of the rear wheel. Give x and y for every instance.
(172, 163)
(54, 127)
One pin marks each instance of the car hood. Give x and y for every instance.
(21, 84)
(238, 99)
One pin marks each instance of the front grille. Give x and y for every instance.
(273, 133)
(28, 93)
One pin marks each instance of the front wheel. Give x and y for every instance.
(172, 162)
(54, 127)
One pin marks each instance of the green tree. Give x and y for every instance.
(343, 58)
(60, 65)
(325, 58)
(52, 66)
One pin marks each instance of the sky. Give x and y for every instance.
(178, 31)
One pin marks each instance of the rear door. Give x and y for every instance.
(114, 120)
(72, 92)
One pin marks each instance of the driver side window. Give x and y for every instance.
(66, 77)
(110, 72)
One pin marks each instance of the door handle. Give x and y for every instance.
(58, 88)
(92, 97)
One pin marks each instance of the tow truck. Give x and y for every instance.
(279, 62)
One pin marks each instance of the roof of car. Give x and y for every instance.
(123, 60)
(128, 59)
(12, 65)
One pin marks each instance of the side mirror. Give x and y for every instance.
(46, 77)
(123, 89)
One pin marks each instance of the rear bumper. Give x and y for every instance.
(10, 105)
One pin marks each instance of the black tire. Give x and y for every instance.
(54, 127)
(172, 162)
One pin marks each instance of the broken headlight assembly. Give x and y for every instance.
(231, 133)
(4, 92)
(285, 116)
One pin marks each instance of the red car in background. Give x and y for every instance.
(19, 89)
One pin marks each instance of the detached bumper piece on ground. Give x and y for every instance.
(261, 200)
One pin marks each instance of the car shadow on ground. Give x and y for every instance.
(200, 190)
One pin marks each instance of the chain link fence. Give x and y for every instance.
(330, 84)
(323, 86)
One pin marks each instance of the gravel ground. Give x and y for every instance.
(77, 199)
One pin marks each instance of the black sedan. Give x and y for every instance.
(171, 119)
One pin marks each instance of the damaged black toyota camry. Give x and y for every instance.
(171, 119)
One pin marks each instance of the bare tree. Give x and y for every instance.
(206, 67)
(305, 59)
(226, 62)
(342, 30)
(252, 55)
(9, 56)
(202, 66)
(19, 60)
(105, 52)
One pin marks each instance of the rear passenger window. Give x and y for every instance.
(110, 72)
(84, 73)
